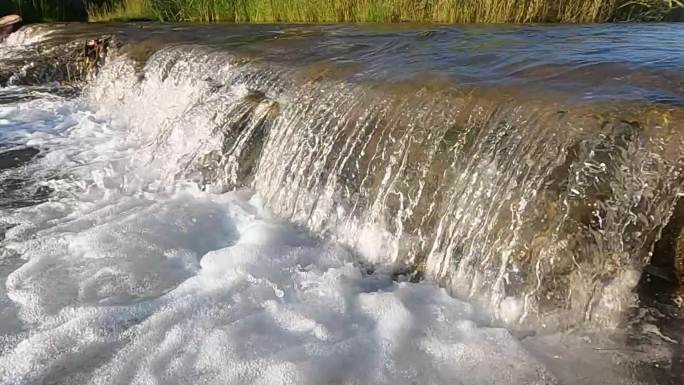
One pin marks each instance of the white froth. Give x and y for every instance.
(27, 35)
(132, 274)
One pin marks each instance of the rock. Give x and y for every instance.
(8, 24)
(9, 20)
(679, 267)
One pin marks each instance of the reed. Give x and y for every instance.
(438, 11)
(123, 10)
(45, 10)
(334, 11)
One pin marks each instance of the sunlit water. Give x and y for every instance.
(128, 259)
(117, 279)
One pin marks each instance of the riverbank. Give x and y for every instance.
(354, 11)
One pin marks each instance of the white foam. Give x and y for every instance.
(30, 34)
(135, 275)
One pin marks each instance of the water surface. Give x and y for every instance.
(337, 204)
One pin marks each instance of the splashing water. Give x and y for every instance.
(130, 274)
(196, 216)
(520, 205)
(126, 280)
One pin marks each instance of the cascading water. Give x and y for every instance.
(148, 260)
(526, 205)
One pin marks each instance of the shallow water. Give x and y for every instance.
(604, 62)
(142, 242)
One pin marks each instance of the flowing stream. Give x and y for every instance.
(185, 204)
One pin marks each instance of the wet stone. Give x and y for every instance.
(17, 157)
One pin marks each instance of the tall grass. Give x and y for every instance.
(330, 11)
(45, 10)
(439, 11)
(120, 10)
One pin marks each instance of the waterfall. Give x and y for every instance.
(540, 208)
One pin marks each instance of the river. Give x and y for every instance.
(338, 204)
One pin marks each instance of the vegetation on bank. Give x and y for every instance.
(125, 10)
(330, 11)
(45, 10)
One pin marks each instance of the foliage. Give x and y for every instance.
(439, 11)
(120, 10)
(331, 11)
(45, 10)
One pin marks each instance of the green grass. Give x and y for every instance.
(332, 11)
(124, 10)
(391, 11)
